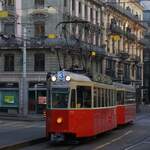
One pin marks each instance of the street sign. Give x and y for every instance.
(52, 36)
(116, 37)
(3, 14)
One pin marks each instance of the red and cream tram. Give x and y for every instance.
(79, 107)
(126, 106)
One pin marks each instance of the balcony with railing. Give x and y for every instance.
(111, 72)
(135, 58)
(142, 41)
(126, 11)
(130, 36)
(115, 29)
(10, 9)
(123, 55)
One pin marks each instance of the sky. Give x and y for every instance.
(146, 4)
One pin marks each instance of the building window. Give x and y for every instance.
(39, 62)
(39, 3)
(9, 28)
(86, 11)
(80, 8)
(65, 3)
(133, 69)
(9, 62)
(113, 46)
(74, 28)
(96, 16)
(10, 2)
(126, 72)
(138, 73)
(97, 39)
(91, 14)
(39, 29)
(73, 5)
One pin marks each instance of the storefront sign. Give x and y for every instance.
(37, 84)
(42, 100)
(3, 14)
(9, 85)
(9, 99)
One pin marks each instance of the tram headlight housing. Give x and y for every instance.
(53, 78)
(68, 78)
(59, 120)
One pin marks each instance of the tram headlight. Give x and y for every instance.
(68, 78)
(59, 120)
(53, 78)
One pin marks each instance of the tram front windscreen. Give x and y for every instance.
(59, 97)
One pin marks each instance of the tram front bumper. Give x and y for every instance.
(57, 137)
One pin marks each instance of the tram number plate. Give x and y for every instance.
(61, 75)
(57, 137)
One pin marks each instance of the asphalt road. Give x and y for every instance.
(129, 137)
(12, 132)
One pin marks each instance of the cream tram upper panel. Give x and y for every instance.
(120, 86)
(78, 77)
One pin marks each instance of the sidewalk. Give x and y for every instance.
(20, 133)
(15, 117)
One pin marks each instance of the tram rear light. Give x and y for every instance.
(59, 120)
(53, 78)
(68, 78)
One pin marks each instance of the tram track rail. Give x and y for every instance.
(137, 143)
(73, 146)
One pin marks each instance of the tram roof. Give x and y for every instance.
(124, 86)
(78, 77)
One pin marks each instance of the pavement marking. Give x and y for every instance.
(8, 124)
(114, 140)
(133, 146)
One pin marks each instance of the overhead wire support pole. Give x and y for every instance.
(24, 53)
(65, 36)
(23, 98)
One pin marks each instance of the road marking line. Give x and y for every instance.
(8, 124)
(146, 142)
(114, 140)
(131, 147)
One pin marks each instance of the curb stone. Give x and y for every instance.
(23, 144)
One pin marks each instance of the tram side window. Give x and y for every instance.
(84, 98)
(73, 98)
(103, 97)
(120, 97)
(129, 97)
(99, 98)
(114, 97)
(95, 98)
(110, 97)
(106, 97)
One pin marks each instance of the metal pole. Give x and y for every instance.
(24, 91)
(24, 54)
(36, 99)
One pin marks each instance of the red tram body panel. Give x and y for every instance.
(81, 123)
(125, 113)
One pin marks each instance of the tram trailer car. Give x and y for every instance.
(126, 103)
(78, 107)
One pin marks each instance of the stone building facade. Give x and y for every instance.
(110, 31)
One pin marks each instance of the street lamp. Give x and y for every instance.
(52, 10)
